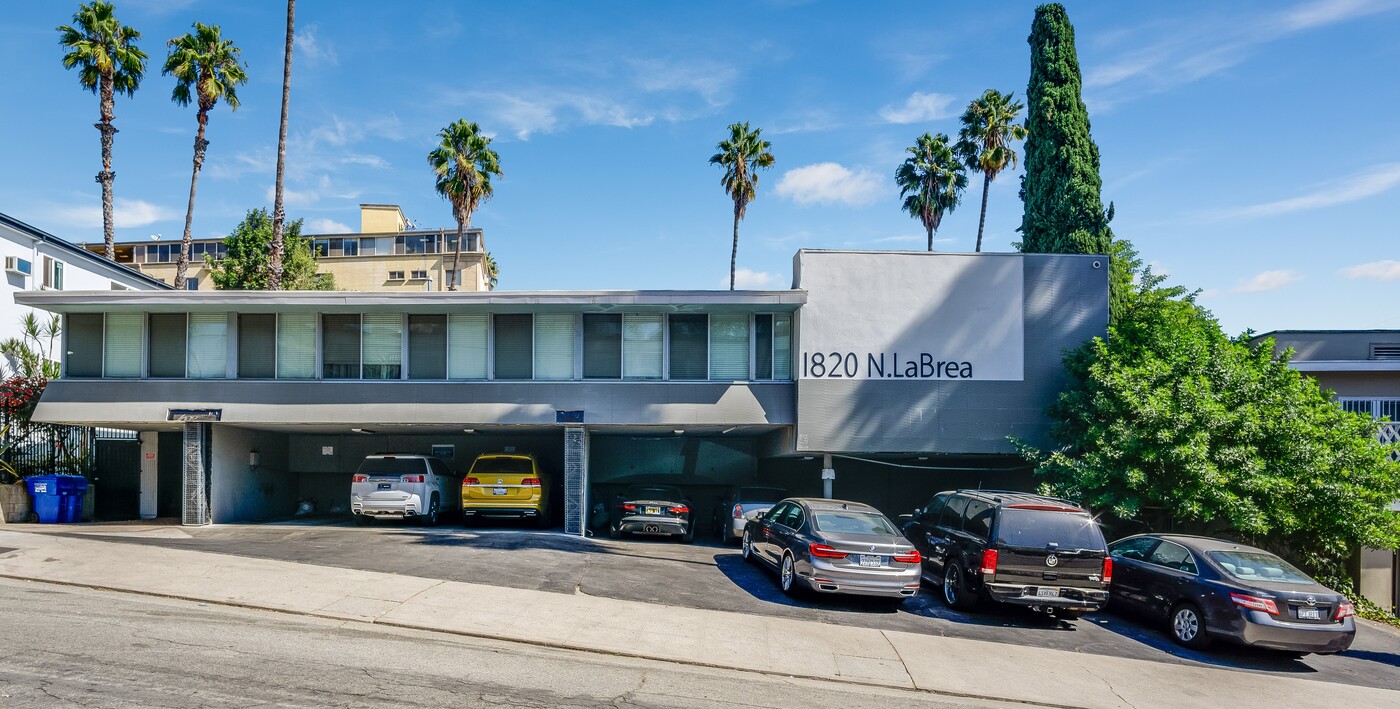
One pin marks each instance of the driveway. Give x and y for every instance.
(710, 576)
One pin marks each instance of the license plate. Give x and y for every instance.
(1309, 614)
(653, 510)
(386, 486)
(1044, 592)
(498, 491)
(872, 560)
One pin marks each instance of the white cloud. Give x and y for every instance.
(326, 226)
(1383, 270)
(1207, 294)
(531, 112)
(749, 279)
(710, 80)
(324, 188)
(1267, 281)
(311, 46)
(125, 213)
(829, 183)
(919, 107)
(1374, 181)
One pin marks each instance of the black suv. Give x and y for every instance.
(1012, 547)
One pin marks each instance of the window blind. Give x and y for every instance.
(514, 346)
(296, 346)
(121, 345)
(763, 346)
(690, 358)
(554, 346)
(782, 347)
(427, 347)
(602, 346)
(84, 355)
(729, 347)
(166, 340)
(208, 346)
(466, 346)
(257, 345)
(643, 342)
(340, 346)
(383, 345)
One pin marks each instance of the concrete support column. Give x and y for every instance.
(576, 480)
(194, 507)
(828, 475)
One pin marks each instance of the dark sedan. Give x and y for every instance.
(661, 510)
(1205, 589)
(832, 546)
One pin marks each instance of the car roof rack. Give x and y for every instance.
(1023, 494)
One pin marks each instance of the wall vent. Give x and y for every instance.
(1388, 350)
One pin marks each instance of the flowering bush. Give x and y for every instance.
(19, 395)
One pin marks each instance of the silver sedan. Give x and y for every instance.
(833, 546)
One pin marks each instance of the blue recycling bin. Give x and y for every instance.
(58, 499)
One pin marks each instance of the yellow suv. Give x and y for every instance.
(509, 485)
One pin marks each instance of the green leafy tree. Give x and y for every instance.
(989, 128)
(931, 181)
(247, 267)
(206, 68)
(31, 355)
(741, 155)
(1064, 211)
(493, 272)
(279, 215)
(1171, 423)
(108, 61)
(464, 164)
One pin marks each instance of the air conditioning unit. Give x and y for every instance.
(15, 264)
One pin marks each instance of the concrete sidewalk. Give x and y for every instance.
(781, 646)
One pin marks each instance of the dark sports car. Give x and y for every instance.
(661, 510)
(1204, 589)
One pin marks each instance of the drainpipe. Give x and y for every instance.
(828, 475)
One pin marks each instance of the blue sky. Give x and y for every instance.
(1249, 147)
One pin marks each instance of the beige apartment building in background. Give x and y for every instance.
(387, 254)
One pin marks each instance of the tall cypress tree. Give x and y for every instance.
(1064, 211)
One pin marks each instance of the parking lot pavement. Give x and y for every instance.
(709, 576)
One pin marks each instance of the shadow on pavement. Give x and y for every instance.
(1219, 654)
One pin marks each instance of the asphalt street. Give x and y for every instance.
(66, 646)
(715, 577)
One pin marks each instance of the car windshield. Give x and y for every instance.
(761, 494)
(654, 492)
(391, 466)
(1040, 528)
(502, 465)
(1258, 566)
(848, 522)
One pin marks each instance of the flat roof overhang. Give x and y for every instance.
(672, 301)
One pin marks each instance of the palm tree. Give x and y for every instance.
(110, 63)
(493, 272)
(984, 143)
(206, 68)
(464, 164)
(741, 155)
(931, 181)
(274, 276)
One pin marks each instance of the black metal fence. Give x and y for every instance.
(45, 448)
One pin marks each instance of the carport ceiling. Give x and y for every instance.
(370, 429)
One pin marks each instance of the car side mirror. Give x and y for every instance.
(906, 518)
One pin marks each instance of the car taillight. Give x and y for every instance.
(411, 478)
(908, 558)
(360, 479)
(1107, 570)
(738, 512)
(989, 562)
(1254, 603)
(530, 482)
(628, 507)
(678, 509)
(471, 481)
(1344, 610)
(825, 552)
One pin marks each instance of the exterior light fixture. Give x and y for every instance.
(468, 430)
(678, 431)
(365, 431)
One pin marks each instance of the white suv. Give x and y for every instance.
(403, 485)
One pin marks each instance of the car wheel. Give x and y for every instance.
(955, 592)
(542, 521)
(787, 576)
(746, 547)
(614, 532)
(1189, 627)
(1067, 615)
(689, 535)
(431, 518)
(362, 520)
